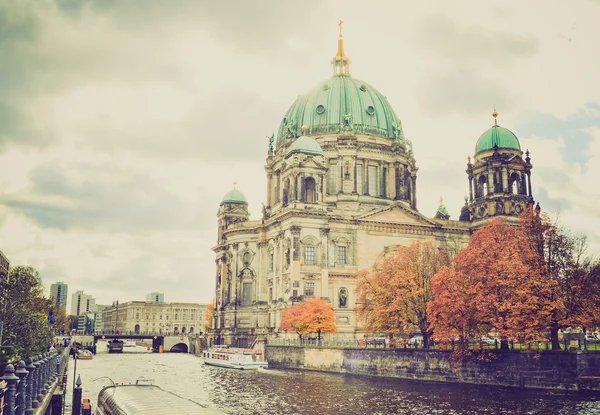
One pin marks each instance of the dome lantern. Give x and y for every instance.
(340, 62)
(496, 138)
(235, 197)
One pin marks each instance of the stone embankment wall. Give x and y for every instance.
(547, 370)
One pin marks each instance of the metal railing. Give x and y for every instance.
(417, 343)
(28, 384)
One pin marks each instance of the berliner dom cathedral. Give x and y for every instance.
(341, 181)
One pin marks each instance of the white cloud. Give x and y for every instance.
(122, 128)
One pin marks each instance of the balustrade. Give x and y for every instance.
(27, 386)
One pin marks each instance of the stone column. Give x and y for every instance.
(355, 191)
(470, 187)
(529, 183)
(270, 189)
(490, 181)
(413, 188)
(324, 262)
(504, 179)
(259, 271)
(366, 176)
(391, 193)
(397, 194)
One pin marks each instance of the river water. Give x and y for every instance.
(313, 393)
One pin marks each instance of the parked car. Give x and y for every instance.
(416, 340)
(489, 340)
(590, 338)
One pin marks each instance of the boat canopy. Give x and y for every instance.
(147, 399)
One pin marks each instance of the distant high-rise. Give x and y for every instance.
(155, 297)
(82, 303)
(58, 294)
(4, 264)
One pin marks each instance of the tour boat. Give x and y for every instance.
(234, 358)
(137, 399)
(83, 354)
(129, 343)
(115, 346)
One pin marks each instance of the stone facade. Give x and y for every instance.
(161, 318)
(341, 195)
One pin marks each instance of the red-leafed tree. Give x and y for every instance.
(313, 316)
(394, 299)
(493, 285)
(561, 259)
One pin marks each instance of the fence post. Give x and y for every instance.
(30, 379)
(22, 374)
(11, 389)
(76, 404)
(40, 367)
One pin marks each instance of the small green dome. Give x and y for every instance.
(305, 145)
(234, 196)
(497, 136)
(341, 103)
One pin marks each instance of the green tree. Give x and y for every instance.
(24, 312)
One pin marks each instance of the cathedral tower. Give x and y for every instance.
(499, 177)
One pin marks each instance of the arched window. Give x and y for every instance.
(183, 330)
(176, 330)
(310, 194)
(247, 258)
(191, 330)
(137, 329)
(515, 184)
(481, 186)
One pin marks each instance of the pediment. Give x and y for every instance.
(398, 214)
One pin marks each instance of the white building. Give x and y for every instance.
(153, 317)
(82, 303)
(155, 297)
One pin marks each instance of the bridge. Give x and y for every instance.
(173, 343)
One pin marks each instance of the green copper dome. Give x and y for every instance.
(305, 145)
(339, 104)
(497, 136)
(234, 196)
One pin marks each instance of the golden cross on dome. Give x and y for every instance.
(340, 25)
(441, 201)
(234, 183)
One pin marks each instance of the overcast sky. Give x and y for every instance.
(123, 123)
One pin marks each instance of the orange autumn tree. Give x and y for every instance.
(313, 316)
(492, 285)
(394, 299)
(561, 259)
(293, 319)
(210, 311)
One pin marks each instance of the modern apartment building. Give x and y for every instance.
(58, 294)
(82, 303)
(155, 297)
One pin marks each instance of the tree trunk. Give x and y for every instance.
(554, 338)
(504, 343)
(425, 335)
(319, 335)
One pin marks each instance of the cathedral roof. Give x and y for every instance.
(341, 103)
(234, 196)
(305, 145)
(497, 136)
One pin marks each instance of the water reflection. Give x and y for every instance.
(313, 393)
